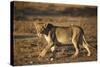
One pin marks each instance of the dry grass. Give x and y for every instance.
(26, 49)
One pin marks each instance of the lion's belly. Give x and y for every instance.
(63, 36)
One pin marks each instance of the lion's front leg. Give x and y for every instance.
(50, 43)
(45, 50)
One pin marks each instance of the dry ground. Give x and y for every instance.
(27, 45)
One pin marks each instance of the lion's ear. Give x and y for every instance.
(35, 24)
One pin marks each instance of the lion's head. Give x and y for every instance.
(40, 27)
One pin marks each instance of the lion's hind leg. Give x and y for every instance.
(86, 46)
(75, 43)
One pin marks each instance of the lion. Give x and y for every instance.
(72, 34)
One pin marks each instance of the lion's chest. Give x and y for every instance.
(48, 38)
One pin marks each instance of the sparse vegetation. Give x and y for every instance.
(27, 45)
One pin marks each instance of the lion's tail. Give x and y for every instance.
(84, 40)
